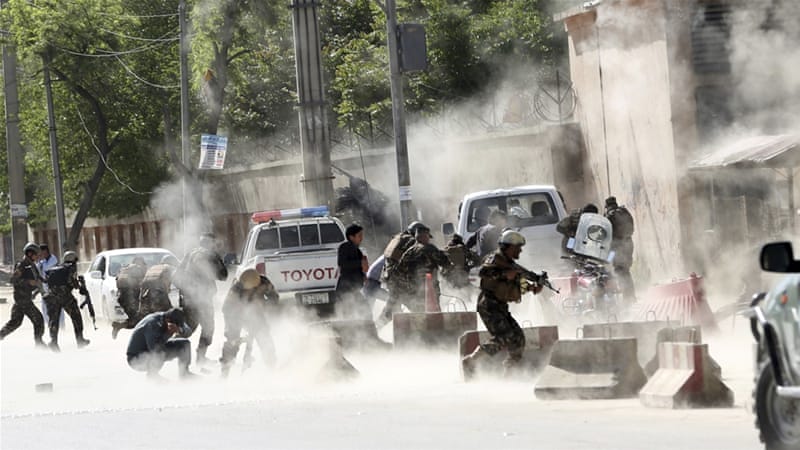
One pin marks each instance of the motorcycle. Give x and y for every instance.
(596, 294)
(775, 324)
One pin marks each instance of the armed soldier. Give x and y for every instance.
(26, 281)
(61, 280)
(392, 254)
(501, 283)
(422, 258)
(568, 226)
(245, 308)
(463, 260)
(129, 286)
(200, 270)
(155, 287)
(622, 245)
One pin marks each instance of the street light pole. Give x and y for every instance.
(60, 221)
(398, 116)
(185, 138)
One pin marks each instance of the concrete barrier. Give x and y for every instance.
(354, 334)
(691, 335)
(681, 300)
(334, 365)
(685, 379)
(539, 342)
(439, 330)
(591, 369)
(645, 333)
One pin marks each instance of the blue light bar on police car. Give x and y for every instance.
(294, 213)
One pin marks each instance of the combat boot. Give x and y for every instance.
(53, 345)
(82, 341)
(470, 362)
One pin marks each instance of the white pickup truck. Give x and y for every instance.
(297, 250)
(532, 210)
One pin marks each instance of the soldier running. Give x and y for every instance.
(463, 260)
(156, 286)
(245, 308)
(61, 280)
(26, 281)
(392, 253)
(500, 285)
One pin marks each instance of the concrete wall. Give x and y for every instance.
(619, 60)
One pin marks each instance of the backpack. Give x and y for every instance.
(59, 275)
(397, 246)
(621, 221)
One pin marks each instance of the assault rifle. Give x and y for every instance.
(539, 279)
(87, 300)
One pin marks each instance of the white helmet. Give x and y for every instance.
(511, 237)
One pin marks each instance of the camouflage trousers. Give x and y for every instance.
(200, 313)
(21, 309)
(129, 301)
(252, 319)
(55, 303)
(153, 300)
(506, 332)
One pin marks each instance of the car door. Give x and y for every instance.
(94, 280)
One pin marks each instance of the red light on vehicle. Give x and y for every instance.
(265, 216)
(260, 268)
(784, 299)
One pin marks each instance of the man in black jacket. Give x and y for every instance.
(152, 343)
(352, 269)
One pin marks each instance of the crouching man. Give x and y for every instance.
(152, 343)
(245, 308)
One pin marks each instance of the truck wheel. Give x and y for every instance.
(777, 418)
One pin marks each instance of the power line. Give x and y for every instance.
(137, 38)
(103, 159)
(130, 71)
(101, 53)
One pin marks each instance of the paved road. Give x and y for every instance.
(408, 400)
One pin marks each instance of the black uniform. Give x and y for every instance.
(351, 279)
(61, 280)
(246, 309)
(26, 280)
(151, 345)
(622, 245)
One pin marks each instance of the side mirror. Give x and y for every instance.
(448, 229)
(778, 257)
(96, 274)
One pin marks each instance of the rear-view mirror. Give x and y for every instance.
(96, 274)
(778, 257)
(448, 229)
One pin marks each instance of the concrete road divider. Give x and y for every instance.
(438, 330)
(591, 369)
(691, 335)
(685, 379)
(681, 300)
(327, 345)
(354, 334)
(539, 342)
(644, 332)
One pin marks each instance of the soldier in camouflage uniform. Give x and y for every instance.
(392, 254)
(422, 258)
(155, 287)
(129, 286)
(463, 260)
(568, 226)
(200, 270)
(62, 279)
(500, 285)
(26, 281)
(245, 308)
(622, 244)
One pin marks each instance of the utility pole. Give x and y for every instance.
(51, 116)
(314, 137)
(185, 138)
(398, 116)
(16, 167)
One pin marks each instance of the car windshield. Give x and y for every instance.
(522, 210)
(117, 262)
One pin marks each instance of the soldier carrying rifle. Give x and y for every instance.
(503, 281)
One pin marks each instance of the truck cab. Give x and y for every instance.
(297, 250)
(532, 210)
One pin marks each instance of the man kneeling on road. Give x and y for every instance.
(152, 343)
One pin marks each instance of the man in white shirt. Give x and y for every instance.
(46, 261)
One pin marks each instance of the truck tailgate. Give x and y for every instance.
(293, 272)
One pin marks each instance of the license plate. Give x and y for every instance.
(317, 298)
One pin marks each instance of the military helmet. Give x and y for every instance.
(511, 237)
(412, 227)
(171, 260)
(70, 257)
(250, 279)
(611, 201)
(590, 208)
(31, 247)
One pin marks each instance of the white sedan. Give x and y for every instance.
(101, 277)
